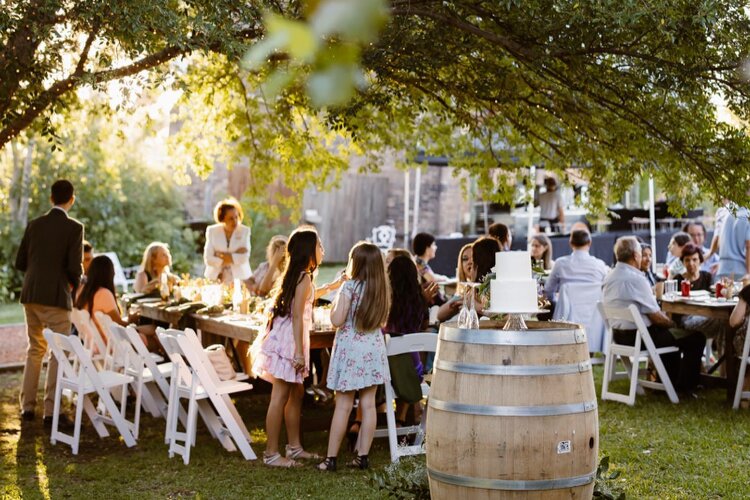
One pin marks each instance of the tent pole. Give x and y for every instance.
(652, 221)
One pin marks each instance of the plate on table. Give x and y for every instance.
(149, 300)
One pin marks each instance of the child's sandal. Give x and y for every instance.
(299, 453)
(276, 460)
(360, 462)
(329, 464)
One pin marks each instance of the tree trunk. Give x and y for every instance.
(23, 209)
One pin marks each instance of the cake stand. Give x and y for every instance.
(515, 319)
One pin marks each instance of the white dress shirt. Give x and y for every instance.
(578, 267)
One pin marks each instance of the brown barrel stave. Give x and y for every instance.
(516, 446)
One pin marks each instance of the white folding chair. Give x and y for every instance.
(193, 377)
(631, 357)
(82, 378)
(411, 342)
(744, 360)
(577, 303)
(131, 363)
(90, 337)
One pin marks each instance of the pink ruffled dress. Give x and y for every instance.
(273, 353)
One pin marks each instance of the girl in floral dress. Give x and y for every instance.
(282, 355)
(358, 361)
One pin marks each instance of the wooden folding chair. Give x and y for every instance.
(632, 356)
(739, 394)
(408, 343)
(77, 373)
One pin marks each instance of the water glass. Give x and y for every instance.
(670, 288)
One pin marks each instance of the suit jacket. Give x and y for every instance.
(216, 241)
(50, 256)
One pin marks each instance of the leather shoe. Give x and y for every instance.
(28, 415)
(63, 422)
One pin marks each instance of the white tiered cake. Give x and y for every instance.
(513, 290)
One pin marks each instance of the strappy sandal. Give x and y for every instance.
(297, 452)
(360, 462)
(276, 460)
(329, 464)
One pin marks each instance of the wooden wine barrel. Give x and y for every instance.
(512, 414)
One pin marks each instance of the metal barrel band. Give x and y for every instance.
(517, 485)
(513, 411)
(512, 370)
(529, 337)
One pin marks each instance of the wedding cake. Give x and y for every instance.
(513, 290)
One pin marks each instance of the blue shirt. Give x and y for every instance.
(578, 267)
(626, 285)
(734, 234)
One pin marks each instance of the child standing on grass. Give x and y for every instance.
(358, 361)
(282, 355)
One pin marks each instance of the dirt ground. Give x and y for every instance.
(12, 344)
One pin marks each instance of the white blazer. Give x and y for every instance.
(216, 241)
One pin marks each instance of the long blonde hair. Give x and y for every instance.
(366, 265)
(147, 264)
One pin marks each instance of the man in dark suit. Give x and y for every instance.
(50, 256)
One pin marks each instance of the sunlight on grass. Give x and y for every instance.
(8, 446)
(41, 470)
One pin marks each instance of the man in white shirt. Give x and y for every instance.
(578, 267)
(697, 232)
(626, 285)
(551, 205)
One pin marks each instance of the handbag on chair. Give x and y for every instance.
(217, 355)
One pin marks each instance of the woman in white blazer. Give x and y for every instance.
(227, 250)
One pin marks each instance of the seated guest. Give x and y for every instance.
(98, 294)
(483, 257)
(501, 233)
(578, 267)
(395, 252)
(739, 319)
(625, 285)
(463, 268)
(408, 314)
(424, 248)
(692, 258)
(674, 255)
(646, 255)
(262, 280)
(88, 254)
(226, 253)
(541, 251)
(697, 232)
(156, 260)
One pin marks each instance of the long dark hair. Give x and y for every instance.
(483, 256)
(300, 258)
(408, 305)
(366, 265)
(101, 274)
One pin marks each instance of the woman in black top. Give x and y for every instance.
(692, 258)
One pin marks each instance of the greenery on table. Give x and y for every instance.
(624, 88)
(696, 449)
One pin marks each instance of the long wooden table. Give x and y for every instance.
(229, 325)
(718, 310)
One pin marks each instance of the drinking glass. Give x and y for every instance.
(463, 315)
(473, 321)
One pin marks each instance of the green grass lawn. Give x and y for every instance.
(697, 449)
(11, 313)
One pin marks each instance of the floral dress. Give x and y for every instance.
(273, 353)
(359, 358)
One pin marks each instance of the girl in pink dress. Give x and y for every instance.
(282, 355)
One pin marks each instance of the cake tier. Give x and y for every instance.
(513, 295)
(513, 265)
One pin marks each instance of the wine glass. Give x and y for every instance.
(463, 315)
(473, 320)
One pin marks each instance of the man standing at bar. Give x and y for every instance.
(50, 256)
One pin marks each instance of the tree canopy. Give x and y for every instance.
(620, 88)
